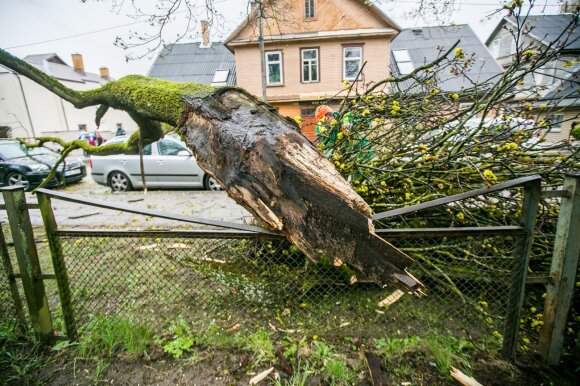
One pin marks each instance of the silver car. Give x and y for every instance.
(168, 163)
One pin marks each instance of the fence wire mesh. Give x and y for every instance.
(158, 279)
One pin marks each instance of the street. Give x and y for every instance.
(199, 203)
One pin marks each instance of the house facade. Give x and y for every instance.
(555, 85)
(28, 110)
(311, 48)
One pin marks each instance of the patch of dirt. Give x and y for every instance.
(212, 367)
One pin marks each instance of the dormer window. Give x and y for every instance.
(309, 9)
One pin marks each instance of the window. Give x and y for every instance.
(308, 9)
(506, 45)
(307, 112)
(403, 60)
(147, 150)
(310, 65)
(556, 122)
(494, 49)
(167, 147)
(274, 68)
(220, 78)
(352, 61)
(82, 127)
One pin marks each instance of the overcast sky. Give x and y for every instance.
(70, 26)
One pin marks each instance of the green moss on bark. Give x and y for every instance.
(153, 98)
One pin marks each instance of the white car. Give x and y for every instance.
(168, 163)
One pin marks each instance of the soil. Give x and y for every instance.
(224, 367)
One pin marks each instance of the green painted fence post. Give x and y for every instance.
(58, 263)
(11, 279)
(563, 273)
(523, 248)
(28, 264)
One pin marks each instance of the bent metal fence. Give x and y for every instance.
(234, 273)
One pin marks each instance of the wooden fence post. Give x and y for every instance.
(11, 279)
(532, 193)
(28, 264)
(562, 272)
(58, 263)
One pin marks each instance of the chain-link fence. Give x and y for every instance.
(157, 277)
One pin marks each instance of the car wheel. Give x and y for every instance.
(119, 182)
(211, 183)
(17, 179)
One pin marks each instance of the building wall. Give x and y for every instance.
(571, 115)
(50, 114)
(288, 16)
(375, 54)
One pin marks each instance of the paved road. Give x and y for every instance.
(200, 203)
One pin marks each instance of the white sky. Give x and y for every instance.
(45, 26)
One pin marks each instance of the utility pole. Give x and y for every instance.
(262, 49)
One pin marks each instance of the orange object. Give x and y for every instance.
(322, 111)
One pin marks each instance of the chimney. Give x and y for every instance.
(78, 62)
(104, 72)
(205, 32)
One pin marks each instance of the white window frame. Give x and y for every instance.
(309, 6)
(558, 128)
(310, 63)
(281, 62)
(220, 77)
(345, 59)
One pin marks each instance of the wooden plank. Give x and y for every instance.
(11, 279)
(555, 193)
(29, 205)
(28, 264)
(60, 271)
(374, 367)
(563, 271)
(458, 197)
(532, 193)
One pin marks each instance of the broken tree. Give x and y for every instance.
(260, 158)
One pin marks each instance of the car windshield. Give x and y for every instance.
(11, 150)
(41, 150)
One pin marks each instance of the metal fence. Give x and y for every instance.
(154, 276)
(475, 278)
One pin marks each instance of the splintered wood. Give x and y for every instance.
(391, 299)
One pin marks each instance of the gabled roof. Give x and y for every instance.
(373, 9)
(54, 66)
(421, 44)
(565, 92)
(546, 29)
(193, 62)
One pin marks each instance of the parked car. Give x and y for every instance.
(167, 163)
(28, 168)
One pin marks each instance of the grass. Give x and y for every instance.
(21, 356)
(260, 344)
(442, 351)
(110, 335)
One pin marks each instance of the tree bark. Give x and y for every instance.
(269, 167)
(260, 158)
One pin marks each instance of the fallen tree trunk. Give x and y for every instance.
(261, 159)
